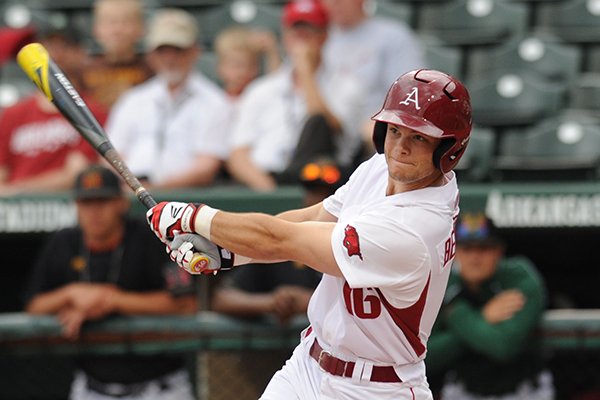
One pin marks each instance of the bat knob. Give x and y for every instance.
(199, 264)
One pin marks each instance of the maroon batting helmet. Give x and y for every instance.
(433, 103)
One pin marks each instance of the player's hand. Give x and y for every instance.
(198, 255)
(166, 219)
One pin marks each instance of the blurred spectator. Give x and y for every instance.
(240, 54)
(39, 149)
(280, 290)
(107, 265)
(484, 338)
(375, 49)
(300, 113)
(172, 130)
(118, 27)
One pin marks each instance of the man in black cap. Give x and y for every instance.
(110, 264)
(484, 338)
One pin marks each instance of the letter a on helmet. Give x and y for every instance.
(433, 103)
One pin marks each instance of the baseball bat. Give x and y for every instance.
(41, 69)
(47, 76)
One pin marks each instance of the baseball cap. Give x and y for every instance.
(307, 11)
(172, 27)
(97, 182)
(477, 229)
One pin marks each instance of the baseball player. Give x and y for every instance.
(384, 242)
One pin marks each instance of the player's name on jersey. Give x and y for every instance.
(30, 215)
(543, 210)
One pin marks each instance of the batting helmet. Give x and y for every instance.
(432, 103)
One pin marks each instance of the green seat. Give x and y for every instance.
(514, 99)
(475, 164)
(592, 55)
(585, 93)
(207, 65)
(566, 147)
(473, 22)
(542, 55)
(213, 19)
(391, 9)
(575, 21)
(442, 57)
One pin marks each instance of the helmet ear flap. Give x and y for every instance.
(443, 147)
(379, 132)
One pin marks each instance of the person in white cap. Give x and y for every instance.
(176, 121)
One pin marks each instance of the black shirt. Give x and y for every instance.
(138, 264)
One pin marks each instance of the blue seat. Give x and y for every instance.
(473, 22)
(566, 147)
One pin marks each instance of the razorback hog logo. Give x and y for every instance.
(351, 241)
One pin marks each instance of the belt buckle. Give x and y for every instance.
(322, 355)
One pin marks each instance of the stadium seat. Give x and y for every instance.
(391, 9)
(473, 22)
(585, 93)
(213, 19)
(207, 64)
(475, 164)
(442, 57)
(576, 21)
(514, 99)
(566, 147)
(592, 57)
(544, 56)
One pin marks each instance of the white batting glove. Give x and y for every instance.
(166, 219)
(198, 255)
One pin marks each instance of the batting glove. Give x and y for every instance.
(198, 255)
(166, 219)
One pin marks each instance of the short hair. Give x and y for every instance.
(137, 6)
(236, 38)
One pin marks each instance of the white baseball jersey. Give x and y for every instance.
(395, 253)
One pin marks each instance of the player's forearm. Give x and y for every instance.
(241, 232)
(268, 238)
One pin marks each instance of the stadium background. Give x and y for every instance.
(533, 69)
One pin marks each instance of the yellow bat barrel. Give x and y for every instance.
(35, 61)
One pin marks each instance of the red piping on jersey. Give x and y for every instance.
(409, 319)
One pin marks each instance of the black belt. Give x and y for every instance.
(338, 367)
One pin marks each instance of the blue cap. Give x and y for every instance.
(477, 229)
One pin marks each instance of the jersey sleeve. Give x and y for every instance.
(372, 251)
(333, 204)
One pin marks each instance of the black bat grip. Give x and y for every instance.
(146, 198)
